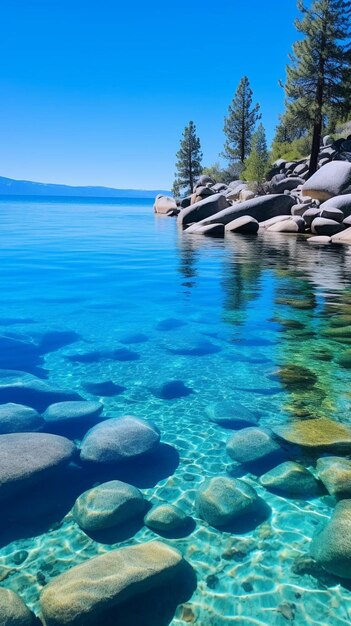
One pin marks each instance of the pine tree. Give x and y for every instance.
(189, 158)
(257, 162)
(240, 123)
(316, 76)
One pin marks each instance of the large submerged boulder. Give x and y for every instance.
(83, 594)
(165, 518)
(26, 458)
(13, 611)
(251, 444)
(291, 479)
(23, 388)
(202, 209)
(331, 545)
(333, 179)
(335, 474)
(108, 505)
(221, 500)
(119, 439)
(72, 411)
(18, 418)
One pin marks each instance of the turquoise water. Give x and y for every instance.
(110, 270)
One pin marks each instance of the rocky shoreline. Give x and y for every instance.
(319, 207)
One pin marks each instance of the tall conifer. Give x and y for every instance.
(240, 123)
(316, 76)
(189, 158)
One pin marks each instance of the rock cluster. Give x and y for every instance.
(290, 202)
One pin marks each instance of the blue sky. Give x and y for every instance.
(98, 92)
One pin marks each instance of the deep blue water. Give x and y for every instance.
(210, 314)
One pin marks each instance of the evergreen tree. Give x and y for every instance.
(316, 76)
(257, 162)
(240, 123)
(189, 158)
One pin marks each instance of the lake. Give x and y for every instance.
(188, 331)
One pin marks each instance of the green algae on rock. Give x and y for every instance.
(331, 545)
(321, 433)
(220, 500)
(84, 594)
(344, 359)
(290, 478)
(296, 375)
(335, 474)
(108, 505)
(13, 611)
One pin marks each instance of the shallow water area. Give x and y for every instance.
(181, 325)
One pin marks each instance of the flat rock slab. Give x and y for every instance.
(26, 458)
(22, 388)
(319, 240)
(333, 179)
(86, 591)
(119, 439)
(13, 611)
(321, 433)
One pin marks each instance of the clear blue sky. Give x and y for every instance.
(97, 92)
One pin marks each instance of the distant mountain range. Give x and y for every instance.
(11, 187)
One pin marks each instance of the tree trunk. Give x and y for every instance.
(317, 131)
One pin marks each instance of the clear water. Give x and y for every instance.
(109, 269)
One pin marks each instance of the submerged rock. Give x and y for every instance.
(251, 444)
(321, 433)
(221, 500)
(84, 594)
(231, 415)
(335, 474)
(296, 376)
(26, 458)
(108, 505)
(165, 517)
(66, 412)
(290, 479)
(13, 611)
(172, 390)
(197, 348)
(18, 418)
(331, 545)
(119, 439)
(22, 388)
(104, 388)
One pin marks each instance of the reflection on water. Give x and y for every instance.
(261, 323)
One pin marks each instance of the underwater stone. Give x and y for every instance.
(251, 444)
(321, 433)
(165, 517)
(231, 415)
(23, 388)
(296, 375)
(104, 388)
(26, 458)
(13, 611)
(221, 500)
(83, 593)
(173, 390)
(170, 324)
(345, 359)
(108, 505)
(72, 411)
(335, 474)
(134, 338)
(290, 479)
(119, 439)
(198, 348)
(18, 418)
(331, 545)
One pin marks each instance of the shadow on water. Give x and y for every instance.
(47, 503)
